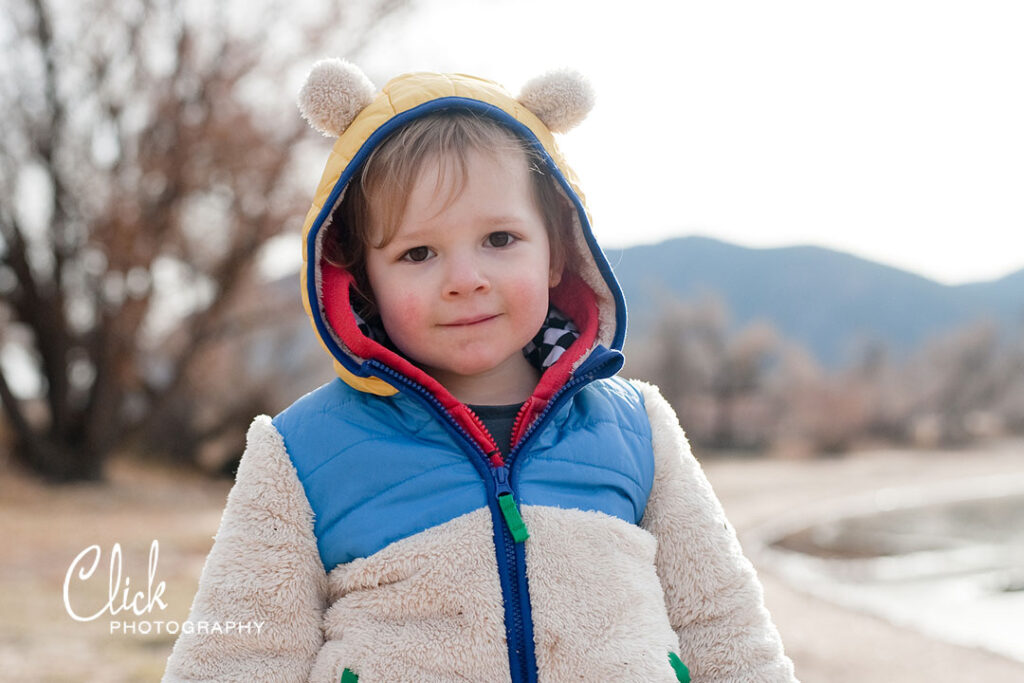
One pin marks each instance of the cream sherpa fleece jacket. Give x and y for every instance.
(428, 608)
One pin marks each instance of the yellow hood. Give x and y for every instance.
(592, 298)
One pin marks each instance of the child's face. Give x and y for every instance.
(461, 289)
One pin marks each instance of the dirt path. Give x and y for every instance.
(829, 644)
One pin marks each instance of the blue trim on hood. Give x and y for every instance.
(371, 143)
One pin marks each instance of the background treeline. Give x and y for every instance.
(753, 389)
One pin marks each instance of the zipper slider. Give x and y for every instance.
(508, 505)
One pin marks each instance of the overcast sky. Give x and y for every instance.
(889, 129)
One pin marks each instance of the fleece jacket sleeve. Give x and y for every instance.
(263, 572)
(714, 599)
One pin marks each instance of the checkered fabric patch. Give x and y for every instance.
(555, 336)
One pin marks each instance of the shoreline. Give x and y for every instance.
(835, 639)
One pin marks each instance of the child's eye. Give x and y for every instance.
(416, 254)
(500, 239)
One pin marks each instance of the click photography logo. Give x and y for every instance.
(137, 614)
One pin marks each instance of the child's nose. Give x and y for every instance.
(464, 276)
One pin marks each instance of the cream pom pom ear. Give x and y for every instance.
(561, 99)
(334, 93)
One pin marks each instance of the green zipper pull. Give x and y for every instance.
(682, 673)
(512, 518)
(508, 505)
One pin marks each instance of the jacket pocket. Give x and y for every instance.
(348, 676)
(682, 673)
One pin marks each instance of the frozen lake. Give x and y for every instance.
(945, 560)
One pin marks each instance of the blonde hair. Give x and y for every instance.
(380, 190)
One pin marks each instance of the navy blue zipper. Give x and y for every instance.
(509, 570)
(515, 553)
(511, 556)
(518, 631)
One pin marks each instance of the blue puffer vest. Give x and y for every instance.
(376, 470)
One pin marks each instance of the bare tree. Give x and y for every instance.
(818, 412)
(710, 375)
(963, 373)
(146, 155)
(738, 380)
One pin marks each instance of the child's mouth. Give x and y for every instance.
(464, 322)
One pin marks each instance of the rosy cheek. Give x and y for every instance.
(531, 287)
(410, 309)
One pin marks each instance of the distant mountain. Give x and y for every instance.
(828, 300)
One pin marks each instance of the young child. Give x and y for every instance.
(477, 496)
